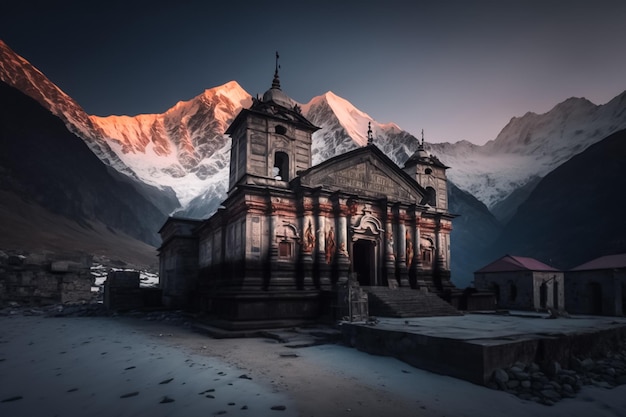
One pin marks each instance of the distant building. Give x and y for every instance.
(597, 287)
(521, 283)
(289, 232)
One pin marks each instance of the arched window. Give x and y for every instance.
(281, 166)
(281, 130)
(428, 171)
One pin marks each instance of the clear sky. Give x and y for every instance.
(457, 69)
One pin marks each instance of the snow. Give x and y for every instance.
(89, 366)
(353, 120)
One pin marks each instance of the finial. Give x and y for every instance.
(422, 137)
(276, 81)
(370, 137)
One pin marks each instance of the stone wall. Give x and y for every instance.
(41, 279)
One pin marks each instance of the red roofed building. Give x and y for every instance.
(522, 283)
(598, 286)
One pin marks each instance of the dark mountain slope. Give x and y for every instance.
(42, 162)
(472, 233)
(576, 213)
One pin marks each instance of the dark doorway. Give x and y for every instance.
(555, 294)
(363, 253)
(595, 298)
(543, 295)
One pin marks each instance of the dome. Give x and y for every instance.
(277, 96)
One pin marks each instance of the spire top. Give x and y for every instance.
(422, 138)
(276, 80)
(370, 137)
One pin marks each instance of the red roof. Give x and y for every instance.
(604, 262)
(510, 263)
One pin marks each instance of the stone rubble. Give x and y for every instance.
(553, 383)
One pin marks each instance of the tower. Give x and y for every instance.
(430, 173)
(271, 141)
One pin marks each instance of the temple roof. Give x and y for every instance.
(276, 104)
(604, 262)
(420, 156)
(510, 263)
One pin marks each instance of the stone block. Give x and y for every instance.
(123, 279)
(60, 266)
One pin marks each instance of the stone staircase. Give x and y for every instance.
(406, 302)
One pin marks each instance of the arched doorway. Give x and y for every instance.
(364, 261)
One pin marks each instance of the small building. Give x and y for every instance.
(289, 232)
(521, 283)
(598, 287)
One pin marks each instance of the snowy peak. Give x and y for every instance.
(344, 127)
(530, 146)
(184, 148)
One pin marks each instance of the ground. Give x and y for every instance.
(103, 366)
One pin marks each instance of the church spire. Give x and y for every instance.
(276, 80)
(370, 137)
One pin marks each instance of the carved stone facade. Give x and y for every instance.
(289, 233)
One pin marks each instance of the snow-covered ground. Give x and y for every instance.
(117, 366)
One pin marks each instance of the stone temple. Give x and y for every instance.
(289, 234)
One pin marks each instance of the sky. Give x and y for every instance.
(459, 69)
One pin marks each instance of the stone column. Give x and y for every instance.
(417, 266)
(403, 275)
(321, 267)
(390, 257)
(307, 249)
(343, 257)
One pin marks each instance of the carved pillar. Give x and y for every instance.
(401, 268)
(307, 251)
(442, 273)
(390, 258)
(343, 257)
(417, 265)
(272, 250)
(321, 268)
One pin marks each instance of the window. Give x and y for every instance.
(284, 249)
(281, 130)
(428, 171)
(281, 166)
(430, 197)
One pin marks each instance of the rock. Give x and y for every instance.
(526, 384)
(500, 376)
(553, 368)
(551, 395)
(512, 384)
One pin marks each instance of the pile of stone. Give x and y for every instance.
(554, 383)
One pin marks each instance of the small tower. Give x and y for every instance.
(430, 173)
(271, 141)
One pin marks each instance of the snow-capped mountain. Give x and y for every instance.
(529, 147)
(19, 73)
(185, 148)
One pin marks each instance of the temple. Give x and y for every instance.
(289, 233)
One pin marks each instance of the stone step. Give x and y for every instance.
(406, 302)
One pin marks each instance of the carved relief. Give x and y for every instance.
(330, 245)
(409, 249)
(309, 238)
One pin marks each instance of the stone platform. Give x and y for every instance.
(472, 346)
